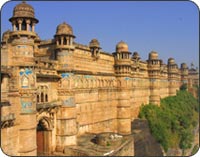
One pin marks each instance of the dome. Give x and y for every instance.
(171, 61)
(121, 47)
(23, 10)
(136, 55)
(94, 43)
(183, 66)
(65, 29)
(153, 55)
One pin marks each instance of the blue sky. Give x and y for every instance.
(169, 28)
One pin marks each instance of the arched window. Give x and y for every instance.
(25, 82)
(42, 95)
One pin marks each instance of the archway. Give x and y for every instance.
(44, 137)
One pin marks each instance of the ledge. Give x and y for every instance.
(48, 76)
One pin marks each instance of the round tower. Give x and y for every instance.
(122, 70)
(64, 46)
(154, 65)
(184, 73)
(172, 76)
(22, 83)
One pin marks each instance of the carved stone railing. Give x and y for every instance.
(48, 105)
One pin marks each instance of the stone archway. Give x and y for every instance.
(44, 136)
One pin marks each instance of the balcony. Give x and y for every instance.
(48, 105)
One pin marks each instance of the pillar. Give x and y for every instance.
(20, 24)
(33, 27)
(71, 40)
(28, 25)
(14, 26)
(62, 40)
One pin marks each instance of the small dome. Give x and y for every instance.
(184, 66)
(23, 10)
(121, 47)
(153, 55)
(136, 55)
(94, 43)
(171, 61)
(65, 29)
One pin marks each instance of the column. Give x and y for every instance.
(61, 40)
(68, 40)
(20, 24)
(14, 26)
(33, 27)
(71, 40)
(28, 24)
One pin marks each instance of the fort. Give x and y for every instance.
(55, 91)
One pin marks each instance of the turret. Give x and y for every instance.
(122, 59)
(184, 73)
(172, 76)
(19, 56)
(94, 48)
(64, 46)
(23, 34)
(123, 70)
(154, 65)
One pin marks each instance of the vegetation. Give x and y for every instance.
(173, 122)
(183, 86)
(195, 149)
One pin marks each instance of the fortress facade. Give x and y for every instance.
(53, 91)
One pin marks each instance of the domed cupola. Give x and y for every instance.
(23, 19)
(64, 36)
(122, 59)
(172, 66)
(95, 47)
(23, 10)
(122, 51)
(136, 56)
(64, 29)
(154, 64)
(122, 47)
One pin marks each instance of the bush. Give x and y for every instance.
(173, 122)
(183, 86)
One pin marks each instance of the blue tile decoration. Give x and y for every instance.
(27, 72)
(26, 107)
(21, 73)
(66, 75)
(88, 76)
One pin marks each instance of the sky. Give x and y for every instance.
(169, 28)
